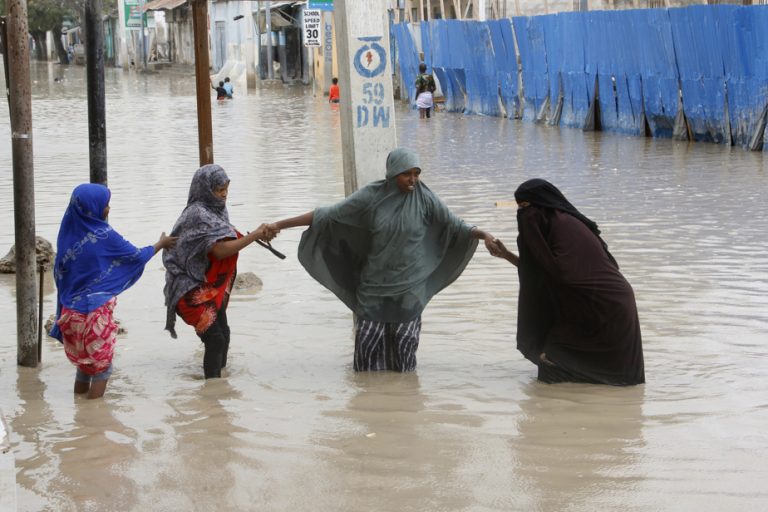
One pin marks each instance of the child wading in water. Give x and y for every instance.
(333, 93)
(94, 264)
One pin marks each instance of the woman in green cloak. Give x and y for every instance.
(385, 251)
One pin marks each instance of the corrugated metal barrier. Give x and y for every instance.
(698, 72)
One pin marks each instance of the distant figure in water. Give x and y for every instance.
(221, 92)
(94, 264)
(228, 88)
(577, 317)
(333, 93)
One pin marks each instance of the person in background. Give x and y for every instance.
(221, 93)
(94, 264)
(228, 89)
(333, 93)
(577, 317)
(385, 251)
(201, 268)
(425, 88)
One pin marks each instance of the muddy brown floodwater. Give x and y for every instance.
(292, 427)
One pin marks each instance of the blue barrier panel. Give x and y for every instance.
(700, 65)
(457, 44)
(746, 69)
(658, 70)
(440, 49)
(601, 61)
(553, 44)
(458, 85)
(529, 32)
(439, 43)
(406, 50)
(426, 45)
(482, 81)
(577, 85)
(629, 88)
(506, 64)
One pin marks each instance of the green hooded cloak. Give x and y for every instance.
(385, 252)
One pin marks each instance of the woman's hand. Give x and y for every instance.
(165, 242)
(265, 232)
(491, 243)
(501, 251)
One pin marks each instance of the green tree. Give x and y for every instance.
(45, 15)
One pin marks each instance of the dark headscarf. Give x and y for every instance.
(203, 222)
(542, 193)
(93, 261)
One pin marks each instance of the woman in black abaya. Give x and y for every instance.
(577, 318)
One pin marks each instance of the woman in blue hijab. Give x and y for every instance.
(385, 251)
(94, 264)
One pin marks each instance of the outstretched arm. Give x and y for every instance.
(489, 239)
(301, 220)
(503, 252)
(227, 248)
(165, 242)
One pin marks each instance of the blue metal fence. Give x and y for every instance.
(699, 72)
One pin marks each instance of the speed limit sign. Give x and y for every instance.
(312, 26)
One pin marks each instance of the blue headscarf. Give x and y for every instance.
(93, 261)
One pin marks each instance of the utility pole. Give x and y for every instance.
(97, 116)
(365, 79)
(144, 51)
(270, 50)
(203, 81)
(20, 106)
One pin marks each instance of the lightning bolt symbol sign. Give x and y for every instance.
(369, 57)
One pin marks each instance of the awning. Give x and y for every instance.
(162, 5)
(279, 17)
(277, 4)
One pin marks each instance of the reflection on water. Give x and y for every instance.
(290, 427)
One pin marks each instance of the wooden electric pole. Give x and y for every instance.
(203, 81)
(17, 53)
(97, 114)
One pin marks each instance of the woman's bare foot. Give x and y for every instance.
(543, 358)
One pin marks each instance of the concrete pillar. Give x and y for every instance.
(327, 51)
(123, 61)
(250, 60)
(365, 81)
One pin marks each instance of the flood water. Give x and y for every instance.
(292, 427)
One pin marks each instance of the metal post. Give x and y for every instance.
(250, 68)
(41, 272)
(203, 81)
(258, 46)
(143, 41)
(4, 42)
(97, 117)
(270, 54)
(23, 181)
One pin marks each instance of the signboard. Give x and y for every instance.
(133, 16)
(323, 5)
(312, 26)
